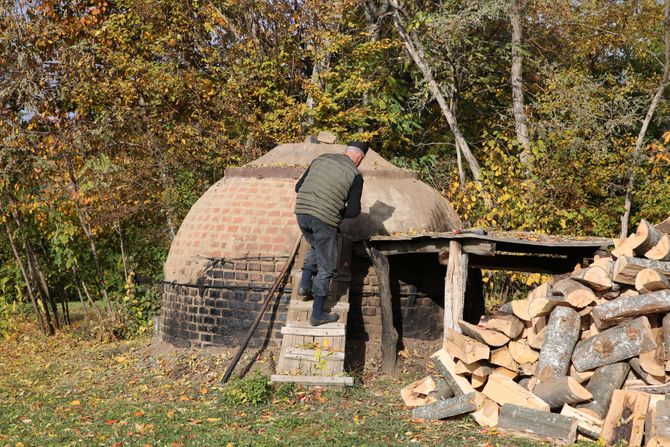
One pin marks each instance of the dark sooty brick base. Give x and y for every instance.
(220, 310)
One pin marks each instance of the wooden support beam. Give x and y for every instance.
(525, 263)
(454, 287)
(389, 333)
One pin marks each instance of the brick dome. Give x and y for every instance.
(249, 212)
(237, 236)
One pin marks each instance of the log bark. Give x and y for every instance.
(446, 366)
(605, 380)
(614, 345)
(621, 309)
(647, 237)
(625, 418)
(574, 293)
(508, 324)
(503, 390)
(482, 335)
(664, 226)
(454, 287)
(539, 423)
(454, 406)
(666, 339)
(627, 268)
(649, 280)
(660, 251)
(389, 334)
(559, 341)
(560, 391)
(594, 277)
(442, 390)
(663, 421)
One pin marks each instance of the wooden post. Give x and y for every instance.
(389, 333)
(454, 287)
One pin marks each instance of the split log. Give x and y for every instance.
(543, 305)
(647, 237)
(536, 331)
(477, 381)
(512, 374)
(614, 345)
(627, 268)
(620, 309)
(528, 369)
(625, 419)
(624, 247)
(502, 357)
(503, 390)
(653, 362)
(518, 308)
(629, 293)
(587, 425)
(664, 226)
(647, 378)
(522, 353)
(465, 348)
(651, 389)
(574, 293)
(560, 391)
(486, 336)
(538, 423)
(487, 414)
(417, 393)
(508, 324)
(442, 409)
(605, 380)
(666, 339)
(472, 368)
(594, 277)
(649, 280)
(580, 377)
(446, 366)
(661, 251)
(442, 390)
(559, 341)
(604, 262)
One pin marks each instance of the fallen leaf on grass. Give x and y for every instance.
(75, 403)
(139, 413)
(111, 421)
(213, 419)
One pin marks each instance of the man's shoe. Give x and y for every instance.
(304, 291)
(323, 319)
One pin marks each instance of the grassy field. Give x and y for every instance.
(70, 390)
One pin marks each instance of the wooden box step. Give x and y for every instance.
(314, 380)
(312, 354)
(307, 305)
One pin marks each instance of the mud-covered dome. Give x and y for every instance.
(249, 213)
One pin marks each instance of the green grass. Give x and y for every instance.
(67, 391)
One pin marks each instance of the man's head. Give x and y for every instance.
(356, 150)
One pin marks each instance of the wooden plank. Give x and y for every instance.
(454, 287)
(524, 263)
(559, 341)
(625, 419)
(298, 305)
(614, 345)
(318, 331)
(312, 354)
(620, 309)
(313, 380)
(454, 406)
(503, 390)
(539, 423)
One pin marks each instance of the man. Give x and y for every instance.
(328, 191)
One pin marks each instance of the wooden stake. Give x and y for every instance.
(389, 334)
(559, 341)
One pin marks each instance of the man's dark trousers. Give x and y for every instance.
(321, 257)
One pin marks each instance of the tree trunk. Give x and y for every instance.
(520, 120)
(628, 201)
(415, 50)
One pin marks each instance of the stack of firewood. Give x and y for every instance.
(585, 353)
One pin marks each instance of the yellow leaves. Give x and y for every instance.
(75, 403)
